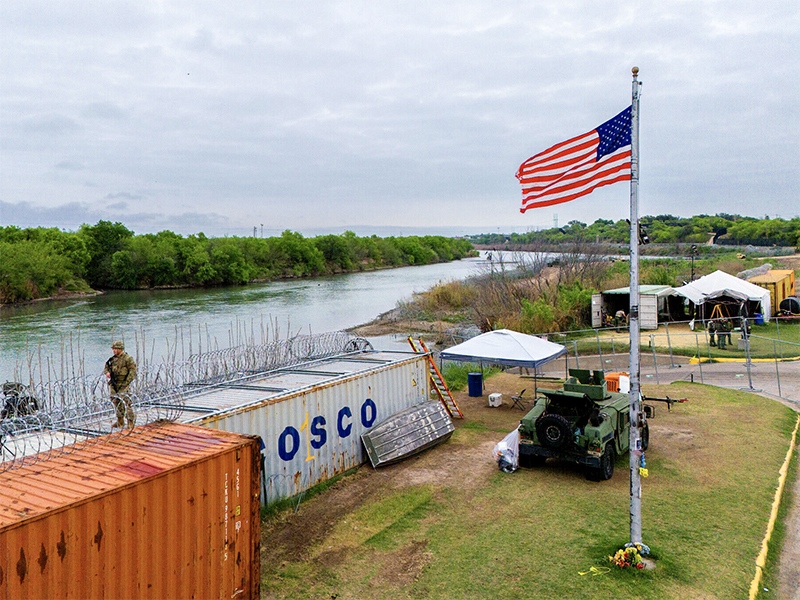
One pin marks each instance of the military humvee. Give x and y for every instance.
(583, 423)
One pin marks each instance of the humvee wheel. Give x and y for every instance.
(606, 469)
(553, 430)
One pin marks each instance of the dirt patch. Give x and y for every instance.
(786, 262)
(394, 322)
(291, 535)
(404, 565)
(682, 436)
(447, 468)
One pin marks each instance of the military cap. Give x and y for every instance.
(119, 345)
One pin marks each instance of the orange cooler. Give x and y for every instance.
(612, 380)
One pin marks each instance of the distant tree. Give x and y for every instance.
(336, 250)
(102, 241)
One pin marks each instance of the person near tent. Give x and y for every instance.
(620, 319)
(712, 330)
(727, 327)
(720, 328)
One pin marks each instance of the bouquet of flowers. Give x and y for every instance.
(630, 556)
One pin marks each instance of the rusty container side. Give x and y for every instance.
(313, 434)
(169, 511)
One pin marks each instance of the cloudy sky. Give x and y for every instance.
(385, 117)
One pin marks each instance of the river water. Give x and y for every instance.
(73, 337)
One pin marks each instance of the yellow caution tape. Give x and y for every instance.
(762, 556)
(719, 359)
(595, 571)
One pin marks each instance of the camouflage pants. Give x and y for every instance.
(124, 409)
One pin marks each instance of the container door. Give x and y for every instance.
(648, 311)
(597, 319)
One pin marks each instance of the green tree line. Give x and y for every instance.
(39, 262)
(667, 229)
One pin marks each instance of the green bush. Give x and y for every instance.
(30, 270)
(36, 261)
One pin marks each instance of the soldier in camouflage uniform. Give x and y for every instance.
(120, 371)
(727, 327)
(712, 330)
(721, 339)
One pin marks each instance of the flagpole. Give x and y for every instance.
(635, 406)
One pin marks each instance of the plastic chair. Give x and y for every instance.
(518, 401)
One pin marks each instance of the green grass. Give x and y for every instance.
(766, 342)
(273, 509)
(713, 466)
(770, 579)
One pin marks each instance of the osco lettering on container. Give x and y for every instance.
(317, 435)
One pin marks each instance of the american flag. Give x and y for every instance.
(578, 166)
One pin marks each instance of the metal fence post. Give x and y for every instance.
(655, 362)
(699, 358)
(614, 353)
(747, 352)
(599, 349)
(669, 344)
(777, 371)
(577, 361)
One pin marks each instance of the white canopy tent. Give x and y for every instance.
(506, 347)
(719, 283)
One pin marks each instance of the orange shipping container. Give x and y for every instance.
(168, 511)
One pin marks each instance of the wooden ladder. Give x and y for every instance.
(437, 381)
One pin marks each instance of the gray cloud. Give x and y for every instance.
(332, 114)
(71, 216)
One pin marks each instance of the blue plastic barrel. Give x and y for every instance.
(475, 382)
(759, 318)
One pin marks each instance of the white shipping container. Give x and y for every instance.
(311, 416)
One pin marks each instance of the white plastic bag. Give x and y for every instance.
(506, 452)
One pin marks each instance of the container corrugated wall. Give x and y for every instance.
(170, 511)
(648, 311)
(314, 434)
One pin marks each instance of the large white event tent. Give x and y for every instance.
(506, 347)
(719, 283)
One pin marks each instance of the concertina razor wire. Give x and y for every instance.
(44, 420)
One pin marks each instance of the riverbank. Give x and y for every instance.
(38, 261)
(61, 295)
